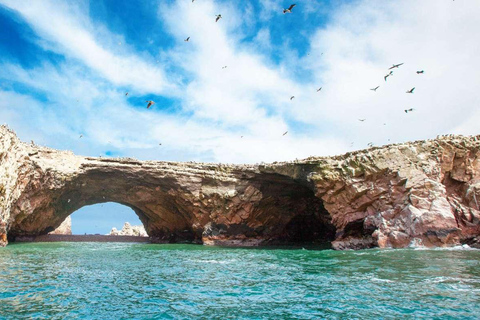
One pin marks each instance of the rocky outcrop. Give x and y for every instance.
(423, 192)
(65, 228)
(129, 230)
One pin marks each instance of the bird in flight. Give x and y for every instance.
(420, 72)
(126, 94)
(411, 90)
(375, 89)
(224, 67)
(219, 16)
(395, 66)
(289, 10)
(150, 103)
(388, 75)
(361, 120)
(285, 133)
(186, 40)
(408, 110)
(370, 144)
(292, 97)
(80, 136)
(319, 89)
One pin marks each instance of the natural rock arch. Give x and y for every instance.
(425, 191)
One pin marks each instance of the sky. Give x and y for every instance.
(225, 95)
(101, 218)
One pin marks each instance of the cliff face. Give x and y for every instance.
(65, 228)
(424, 191)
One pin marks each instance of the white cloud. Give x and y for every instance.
(364, 39)
(250, 98)
(67, 30)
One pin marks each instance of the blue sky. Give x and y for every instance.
(65, 67)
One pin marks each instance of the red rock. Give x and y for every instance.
(422, 192)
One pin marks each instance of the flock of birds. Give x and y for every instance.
(390, 73)
(217, 18)
(289, 10)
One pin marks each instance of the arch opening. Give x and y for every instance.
(108, 218)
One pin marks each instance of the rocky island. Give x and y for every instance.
(423, 192)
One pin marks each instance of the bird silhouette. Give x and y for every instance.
(411, 90)
(420, 72)
(408, 110)
(289, 10)
(292, 97)
(80, 136)
(375, 89)
(150, 103)
(395, 66)
(319, 89)
(388, 75)
(285, 133)
(126, 94)
(219, 16)
(361, 120)
(186, 40)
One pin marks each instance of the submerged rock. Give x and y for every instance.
(389, 196)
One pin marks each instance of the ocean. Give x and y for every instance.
(175, 281)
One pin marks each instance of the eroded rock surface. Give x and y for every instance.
(425, 192)
(65, 228)
(129, 230)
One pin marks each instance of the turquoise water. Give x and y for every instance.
(146, 281)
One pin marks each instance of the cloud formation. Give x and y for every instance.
(206, 112)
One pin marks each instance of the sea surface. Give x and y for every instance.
(149, 281)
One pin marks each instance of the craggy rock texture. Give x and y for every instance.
(65, 228)
(129, 230)
(424, 192)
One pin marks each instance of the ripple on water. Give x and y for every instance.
(143, 281)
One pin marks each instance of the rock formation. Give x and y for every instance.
(65, 228)
(129, 230)
(425, 192)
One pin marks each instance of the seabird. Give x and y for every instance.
(80, 136)
(285, 133)
(420, 72)
(408, 110)
(291, 98)
(395, 66)
(289, 10)
(159, 144)
(126, 94)
(186, 40)
(224, 67)
(150, 103)
(388, 75)
(219, 16)
(375, 89)
(362, 120)
(370, 144)
(411, 90)
(319, 89)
